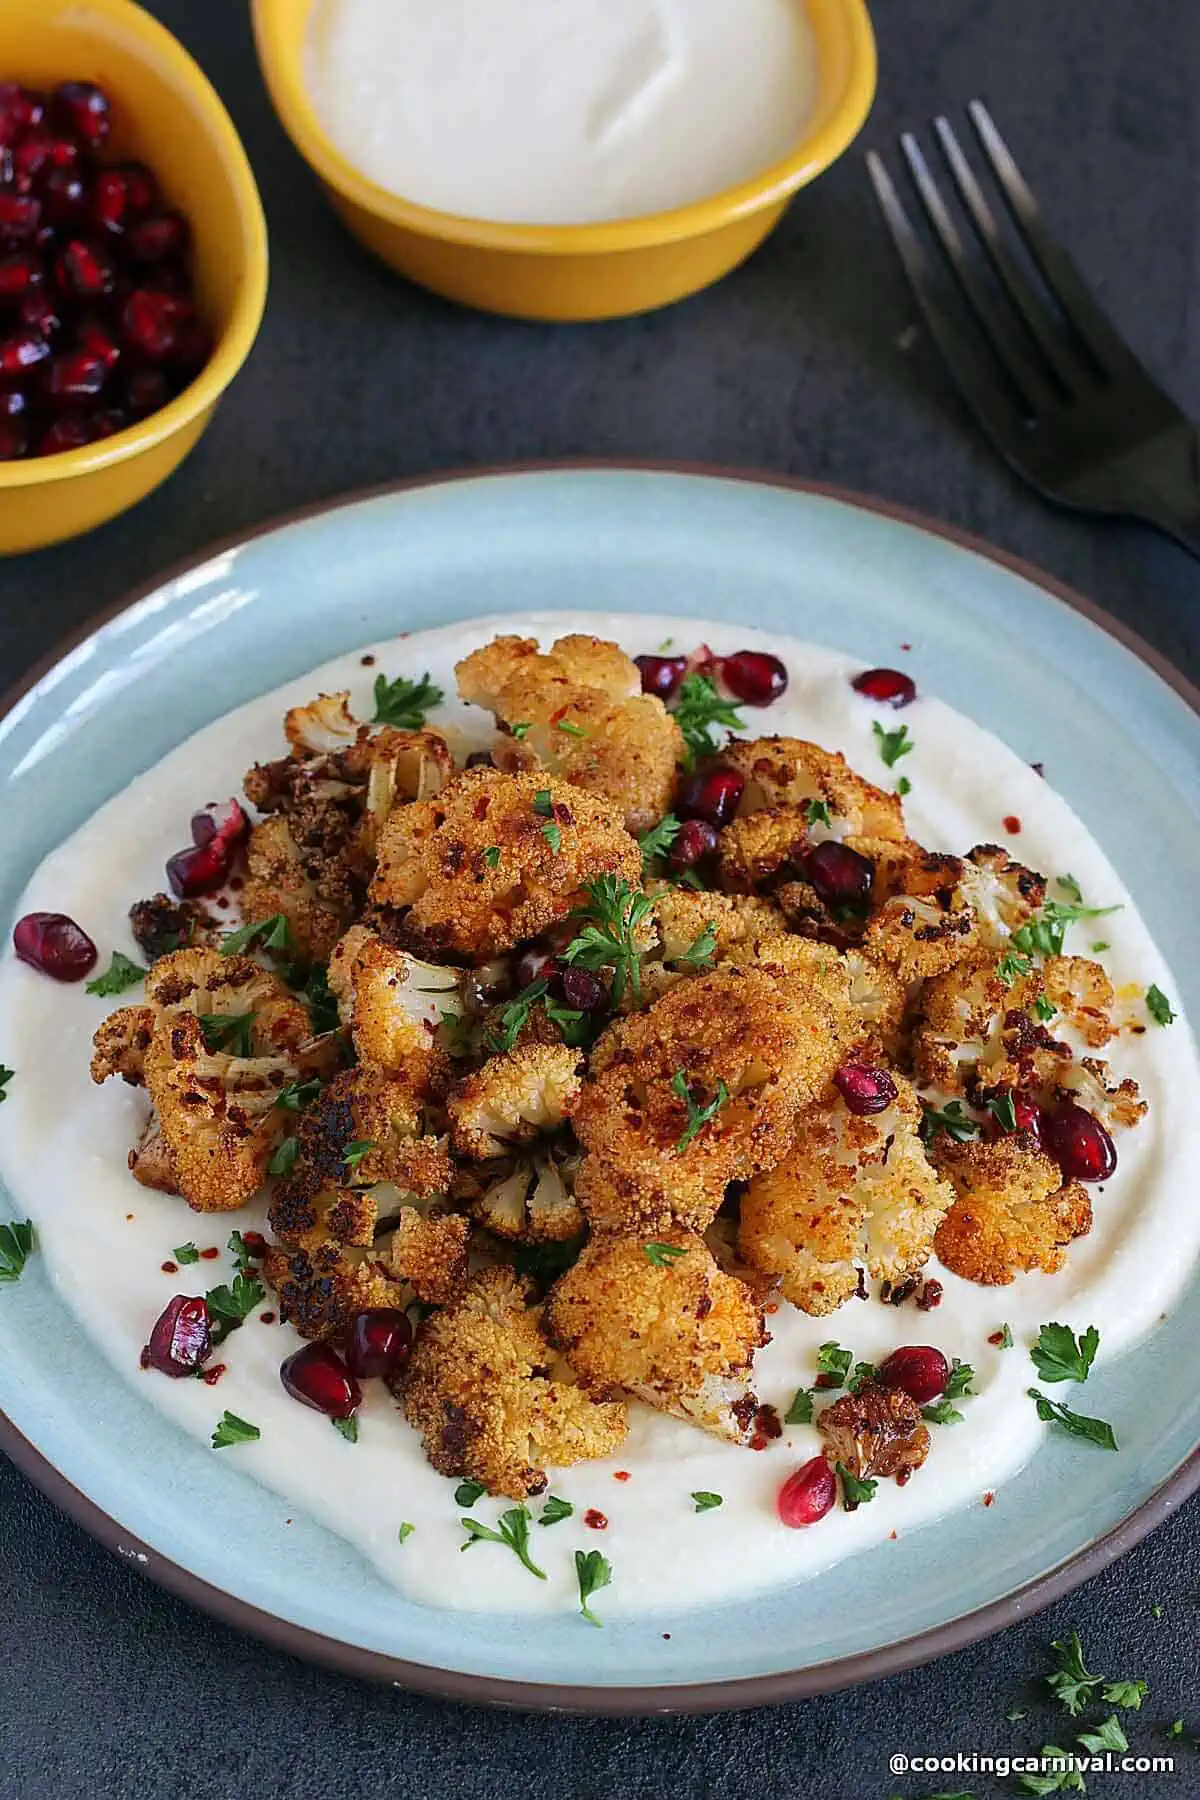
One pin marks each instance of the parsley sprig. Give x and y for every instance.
(1157, 1005)
(593, 1572)
(656, 843)
(698, 708)
(609, 938)
(697, 1116)
(1096, 1431)
(555, 1510)
(404, 703)
(272, 933)
(663, 1255)
(953, 1119)
(121, 973)
(512, 1531)
(855, 1491)
(702, 949)
(1045, 933)
(233, 1304)
(892, 745)
(230, 1032)
(16, 1247)
(1059, 1355)
(232, 1430)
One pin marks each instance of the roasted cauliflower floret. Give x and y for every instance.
(211, 985)
(738, 921)
(876, 1432)
(524, 1199)
(513, 1099)
(737, 1038)
(401, 766)
(1012, 1211)
(364, 1127)
(395, 1007)
(497, 858)
(960, 1016)
(853, 1192)
(313, 892)
(922, 922)
(790, 772)
(322, 725)
(1080, 990)
(759, 850)
(120, 1044)
(1001, 892)
(486, 1391)
(586, 661)
(662, 1321)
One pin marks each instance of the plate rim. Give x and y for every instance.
(657, 1699)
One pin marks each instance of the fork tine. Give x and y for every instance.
(1033, 315)
(1017, 365)
(988, 398)
(1097, 334)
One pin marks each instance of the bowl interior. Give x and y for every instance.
(166, 114)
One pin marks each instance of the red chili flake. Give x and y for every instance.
(595, 1519)
(210, 1253)
(772, 1306)
(906, 646)
(267, 1318)
(997, 1338)
(556, 716)
(1012, 824)
(768, 1422)
(210, 1377)
(988, 1498)
(758, 1441)
(622, 1475)
(170, 1268)
(368, 661)
(931, 1296)
(904, 1476)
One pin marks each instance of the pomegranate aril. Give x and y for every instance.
(94, 338)
(156, 237)
(582, 990)
(20, 274)
(71, 431)
(84, 270)
(200, 869)
(146, 391)
(696, 840)
(181, 1340)
(224, 819)
(39, 150)
(64, 197)
(23, 351)
(840, 875)
(39, 310)
(378, 1342)
(1079, 1143)
(918, 1370)
(150, 322)
(54, 944)
(712, 795)
(20, 216)
(73, 377)
(891, 687)
(317, 1376)
(864, 1090)
(106, 424)
(85, 109)
(20, 110)
(807, 1495)
(121, 194)
(14, 440)
(534, 964)
(661, 675)
(193, 349)
(754, 676)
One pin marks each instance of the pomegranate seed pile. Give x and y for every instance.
(98, 322)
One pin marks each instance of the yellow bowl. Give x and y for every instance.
(168, 114)
(576, 271)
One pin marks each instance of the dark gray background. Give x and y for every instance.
(796, 363)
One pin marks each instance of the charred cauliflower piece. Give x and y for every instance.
(734, 1032)
(401, 766)
(477, 870)
(1002, 894)
(922, 922)
(1012, 1211)
(336, 1258)
(852, 1192)
(956, 1039)
(321, 726)
(313, 890)
(484, 1390)
(512, 1099)
(374, 1118)
(789, 772)
(876, 1432)
(526, 1199)
(666, 1324)
(120, 1044)
(588, 720)
(738, 922)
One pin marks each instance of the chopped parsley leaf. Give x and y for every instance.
(16, 1247)
(353, 1154)
(960, 1379)
(818, 812)
(543, 804)
(237, 1247)
(1045, 934)
(1059, 1776)
(297, 1094)
(892, 745)
(1175, 1728)
(698, 707)
(120, 974)
(942, 1412)
(1003, 1110)
(491, 856)
(1006, 1338)
(6, 1076)
(1011, 967)
(521, 730)
(1070, 888)
(833, 1361)
(232, 1430)
(185, 1254)
(513, 1016)
(270, 934)
(702, 949)
(553, 836)
(800, 1412)
(231, 1032)
(1108, 1736)
(663, 1255)
(1059, 1356)
(903, 787)
(404, 703)
(321, 1002)
(864, 1372)
(697, 1116)
(1096, 1431)
(1043, 1009)
(232, 1305)
(705, 1502)
(1128, 1694)
(1071, 1682)
(593, 1572)
(347, 1427)
(952, 1119)
(573, 730)
(609, 938)
(284, 1159)
(1098, 946)
(512, 1531)
(406, 1530)
(656, 842)
(468, 1492)
(554, 1510)
(1158, 1006)
(855, 1492)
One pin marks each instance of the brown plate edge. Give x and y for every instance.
(716, 1696)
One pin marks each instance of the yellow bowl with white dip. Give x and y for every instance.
(650, 145)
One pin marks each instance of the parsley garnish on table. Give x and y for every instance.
(698, 707)
(512, 1531)
(16, 1247)
(121, 973)
(593, 1572)
(697, 1116)
(404, 703)
(609, 935)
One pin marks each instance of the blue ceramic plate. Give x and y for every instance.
(1033, 664)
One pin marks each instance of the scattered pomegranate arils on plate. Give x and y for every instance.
(181, 1340)
(918, 1370)
(864, 1090)
(808, 1494)
(317, 1377)
(712, 795)
(891, 687)
(378, 1343)
(754, 676)
(661, 675)
(840, 875)
(200, 869)
(697, 839)
(1079, 1143)
(83, 108)
(54, 944)
(224, 819)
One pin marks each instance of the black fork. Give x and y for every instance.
(1046, 374)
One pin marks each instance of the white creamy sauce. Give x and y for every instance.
(63, 1145)
(562, 113)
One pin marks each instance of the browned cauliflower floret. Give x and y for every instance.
(1001, 892)
(922, 922)
(364, 1127)
(761, 849)
(789, 772)
(527, 1199)
(876, 1432)
(957, 1035)
(751, 1044)
(312, 891)
(400, 766)
(662, 1321)
(586, 719)
(512, 1099)
(320, 1290)
(484, 1390)
(395, 1007)
(1087, 1083)
(215, 986)
(1082, 993)
(497, 858)
(322, 725)
(1012, 1211)
(120, 1044)
(865, 998)
(737, 921)
(853, 1192)
(150, 1160)
(163, 924)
